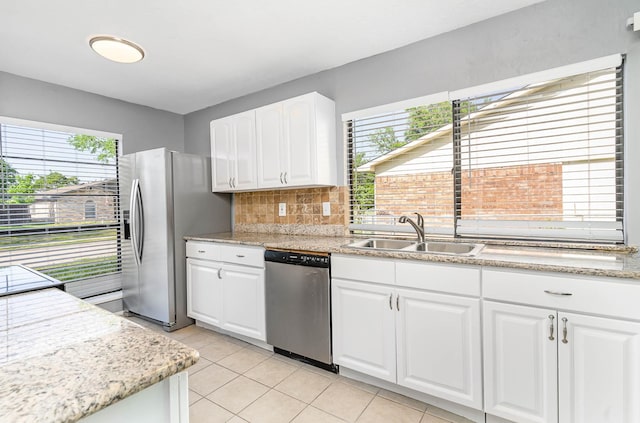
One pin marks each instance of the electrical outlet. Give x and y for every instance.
(326, 208)
(282, 209)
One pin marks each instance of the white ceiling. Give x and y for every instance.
(203, 52)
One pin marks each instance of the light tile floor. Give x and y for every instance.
(237, 382)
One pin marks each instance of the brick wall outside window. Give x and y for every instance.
(504, 191)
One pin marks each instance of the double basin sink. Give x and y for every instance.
(433, 247)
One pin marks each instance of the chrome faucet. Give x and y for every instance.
(419, 226)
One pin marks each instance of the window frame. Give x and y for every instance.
(108, 282)
(454, 97)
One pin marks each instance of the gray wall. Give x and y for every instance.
(546, 35)
(141, 127)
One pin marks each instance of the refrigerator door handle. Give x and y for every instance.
(137, 221)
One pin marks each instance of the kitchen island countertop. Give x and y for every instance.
(591, 260)
(62, 359)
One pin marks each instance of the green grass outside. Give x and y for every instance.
(20, 242)
(82, 268)
(53, 225)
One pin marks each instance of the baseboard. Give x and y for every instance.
(111, 301)
(252, 341)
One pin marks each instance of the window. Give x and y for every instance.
(540, 160)
(400, 163)
(59, 205)
(90, 210)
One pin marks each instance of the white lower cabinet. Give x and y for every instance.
(520, 363)
(438, 345)
(227, 289)
(243, 301)
(546, 366)
(427, 341)
(598, 370)
(364, 328)
(204, 291)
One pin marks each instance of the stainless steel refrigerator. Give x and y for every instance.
(165, 195)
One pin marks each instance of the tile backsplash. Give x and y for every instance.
(258, 211)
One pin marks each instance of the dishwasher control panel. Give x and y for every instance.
(292, 257)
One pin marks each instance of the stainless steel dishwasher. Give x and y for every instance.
(298, 306)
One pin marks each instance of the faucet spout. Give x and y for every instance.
(419, 226)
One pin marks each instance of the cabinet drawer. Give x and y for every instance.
(242, 254)
(464, 280)
(363, 269)
(604, 296)
(203, 250)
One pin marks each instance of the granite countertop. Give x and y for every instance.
(593, 260)
(62, 359)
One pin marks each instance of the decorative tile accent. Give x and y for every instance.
(259, 210)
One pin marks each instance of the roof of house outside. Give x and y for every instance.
(447, 129)
(51, 194)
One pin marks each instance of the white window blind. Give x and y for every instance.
(400, 163)
(59, 206)
(542, 161)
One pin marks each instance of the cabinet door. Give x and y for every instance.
(244, 151)
(300, 138)
(364, 328)
(204, 291)
(270, 146)
(520, 363)
(222, 154)
(599, 370)
(243, 301)
(439, 346)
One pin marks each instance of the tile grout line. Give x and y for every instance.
(298, 366)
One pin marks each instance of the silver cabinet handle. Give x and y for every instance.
(281, 181)
(230, 186)
(398, 302)
(201, 251)
(390, 303)
(564, 294)
(551, 317)
(564, 330)
(240, 255)
(234, 181)
(285, 178)
(220, 273)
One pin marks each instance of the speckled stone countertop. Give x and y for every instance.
(62, 358)
(594, 260)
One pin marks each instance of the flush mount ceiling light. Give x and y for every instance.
(116, 49)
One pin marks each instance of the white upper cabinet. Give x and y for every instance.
(289, 144)
(233, 153)
(296, 143)
(271, 149)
